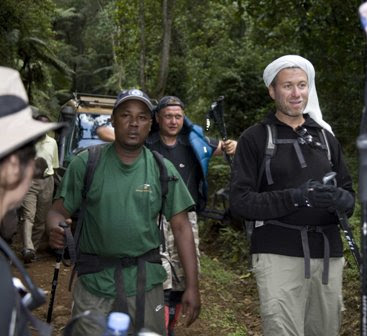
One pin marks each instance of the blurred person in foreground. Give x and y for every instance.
(18, 135)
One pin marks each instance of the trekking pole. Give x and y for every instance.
(329, 178)
(216, 113)
(59, 254)
(362, 147)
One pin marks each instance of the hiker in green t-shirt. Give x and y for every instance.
(119, 226)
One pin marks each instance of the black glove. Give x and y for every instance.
(342, 199)
(313, 194)
(317, 195)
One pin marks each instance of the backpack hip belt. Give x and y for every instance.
(304, 229)
(91, 263)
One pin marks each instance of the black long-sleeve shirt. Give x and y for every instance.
(273, 202)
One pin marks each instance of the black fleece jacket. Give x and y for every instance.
(273, 202)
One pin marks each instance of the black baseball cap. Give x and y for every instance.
(170, 101)
(133, 94)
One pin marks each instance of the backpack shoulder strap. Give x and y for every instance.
(271, 136)
(270, 148)
(163, 174)
(94, 154)
(72, 242)
(325, 142)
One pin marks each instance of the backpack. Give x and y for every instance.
(201, 149)
(94, 153)
(270, 149)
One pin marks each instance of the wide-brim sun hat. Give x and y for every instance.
(17, 126)
(133, 94)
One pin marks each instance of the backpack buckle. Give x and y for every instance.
(310, 228)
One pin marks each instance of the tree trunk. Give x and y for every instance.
(167, 11)
(118, 69)
(142, 46)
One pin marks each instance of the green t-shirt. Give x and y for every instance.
(121, 215)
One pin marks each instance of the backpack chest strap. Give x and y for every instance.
(268, 156)
(272, 142)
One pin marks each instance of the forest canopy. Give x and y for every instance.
(197, 50)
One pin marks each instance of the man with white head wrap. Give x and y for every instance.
(295, 61)
(296, 248)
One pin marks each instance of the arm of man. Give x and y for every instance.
(67, 200)
(106, 133)
(55, 216)
(184, 239)
(343, 177)
(244, 199)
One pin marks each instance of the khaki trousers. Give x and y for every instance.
(294, 306)
(36, 204)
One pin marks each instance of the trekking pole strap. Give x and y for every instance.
(70, 244)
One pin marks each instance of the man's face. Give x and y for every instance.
(290, 92)
(132, 121)
(170, 120)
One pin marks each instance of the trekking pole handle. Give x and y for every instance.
(329, 177)
(59, 252)
(218, 115)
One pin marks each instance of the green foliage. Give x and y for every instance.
(128, 41)
(219, 171)
(213, 45)
(87, 31)
(228, 238)
(220, 315)
(218, 47)
(28, 45)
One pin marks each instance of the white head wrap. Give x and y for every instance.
(288, 61)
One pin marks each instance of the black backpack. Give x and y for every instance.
(270, 149)
(272, 141)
